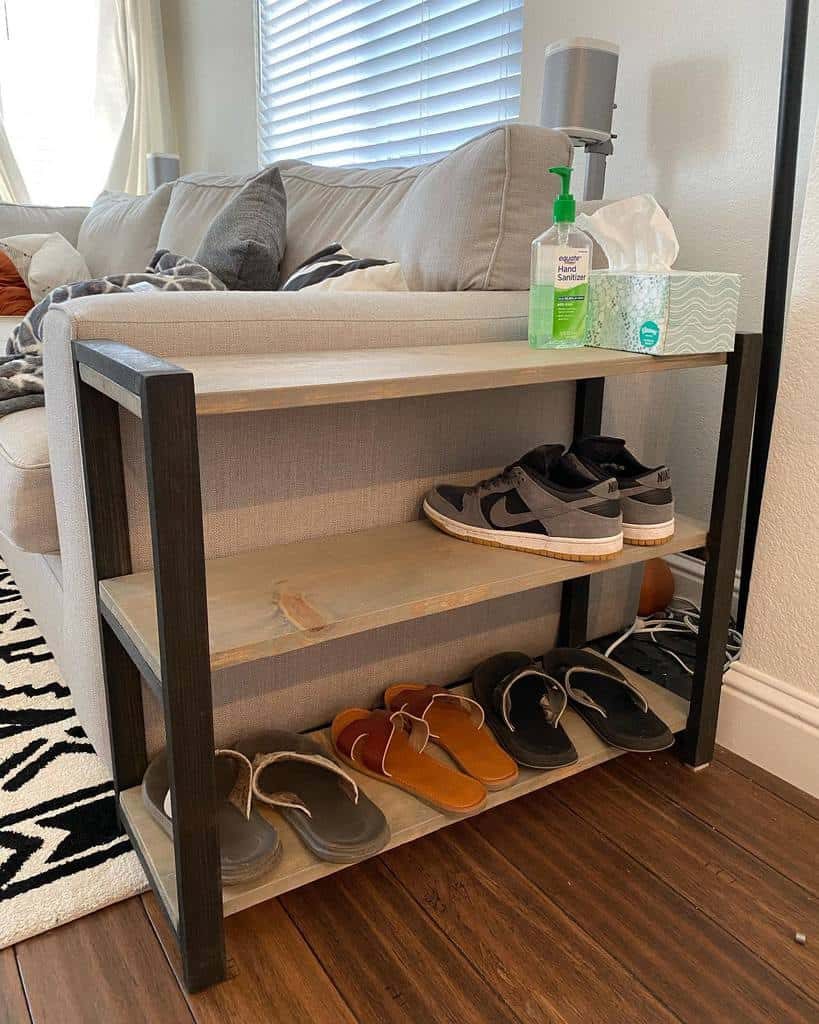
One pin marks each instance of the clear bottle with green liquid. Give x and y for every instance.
(559, 290)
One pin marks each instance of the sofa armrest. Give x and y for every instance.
(197, 323)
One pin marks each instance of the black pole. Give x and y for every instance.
(776, 284)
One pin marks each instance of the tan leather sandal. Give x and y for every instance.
(456, 724)
(390, 746)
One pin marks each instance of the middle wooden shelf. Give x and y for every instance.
(292, 596)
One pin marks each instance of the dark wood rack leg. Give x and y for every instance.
(174, 496)
(574, 599)
(111, 556)
(697, 742)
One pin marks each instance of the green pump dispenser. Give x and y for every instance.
(565, 208)
(561, 262)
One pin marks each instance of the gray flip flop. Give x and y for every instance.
(333, 818)
(249, 845)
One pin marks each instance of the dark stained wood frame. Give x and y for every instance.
(722, 547)
(167, 408)
(108, 376)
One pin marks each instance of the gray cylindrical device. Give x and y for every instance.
(579, 77)
(162, 167)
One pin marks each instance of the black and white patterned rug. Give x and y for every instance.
(62, 852)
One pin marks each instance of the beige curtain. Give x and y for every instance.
(132, 89)
(12, 187)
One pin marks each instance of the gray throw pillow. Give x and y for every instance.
(245, 242)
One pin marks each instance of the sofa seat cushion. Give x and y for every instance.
(27, 515)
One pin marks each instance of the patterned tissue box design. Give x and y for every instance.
(679, 313)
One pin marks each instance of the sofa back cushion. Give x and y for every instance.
(463, 222)
(42, 220)
(196, 200)
(121, 232)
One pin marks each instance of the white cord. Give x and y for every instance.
(676, 619)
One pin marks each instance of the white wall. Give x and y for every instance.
(697, 97)
(211, 51)
(697, 105)
(783, 610)
(770, 709)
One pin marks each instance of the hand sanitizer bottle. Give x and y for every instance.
(559, 292)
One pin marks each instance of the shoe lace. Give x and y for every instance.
(506, 476)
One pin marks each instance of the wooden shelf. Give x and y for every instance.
(292, 596)
(284, 380)
(408, 818)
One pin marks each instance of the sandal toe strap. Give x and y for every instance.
(419, 702)
(241, 795)
(284, 798)
(367, 740)
(553, 702)
(578, 694)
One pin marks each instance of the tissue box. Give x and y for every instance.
(680, 312)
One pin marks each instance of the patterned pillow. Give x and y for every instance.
(334, 269)
(45, 262)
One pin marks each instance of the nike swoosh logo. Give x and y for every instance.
(500, 516)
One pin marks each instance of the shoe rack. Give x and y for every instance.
(190, 616)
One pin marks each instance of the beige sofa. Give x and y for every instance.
(461, 230)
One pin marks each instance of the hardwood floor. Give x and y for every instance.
(634, 892)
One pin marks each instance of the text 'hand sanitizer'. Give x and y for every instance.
(559, 291)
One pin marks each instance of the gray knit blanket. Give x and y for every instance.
(21, 368)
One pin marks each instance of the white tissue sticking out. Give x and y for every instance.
(634, 233)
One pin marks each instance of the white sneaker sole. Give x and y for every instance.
(593, 549)
(648, 536)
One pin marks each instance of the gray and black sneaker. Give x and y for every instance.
(545, 503)
(648, 504)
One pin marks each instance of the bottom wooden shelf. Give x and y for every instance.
(408, 818)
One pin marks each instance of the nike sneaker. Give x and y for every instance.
(546, 503)
(648, 504)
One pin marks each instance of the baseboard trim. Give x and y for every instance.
(763, 719)
(688, 576)
(771, 723)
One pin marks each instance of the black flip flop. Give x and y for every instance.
(607, 701)
(523, 707)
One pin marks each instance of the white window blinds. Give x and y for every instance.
(380, 82)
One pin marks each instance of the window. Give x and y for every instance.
(384, 82)
(49, 98)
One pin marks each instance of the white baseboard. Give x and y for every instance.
(763, 719)
(688, 576)
(772, 724)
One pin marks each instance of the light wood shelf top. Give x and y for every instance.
(408, 818)
(285, 380)
(291, 596)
